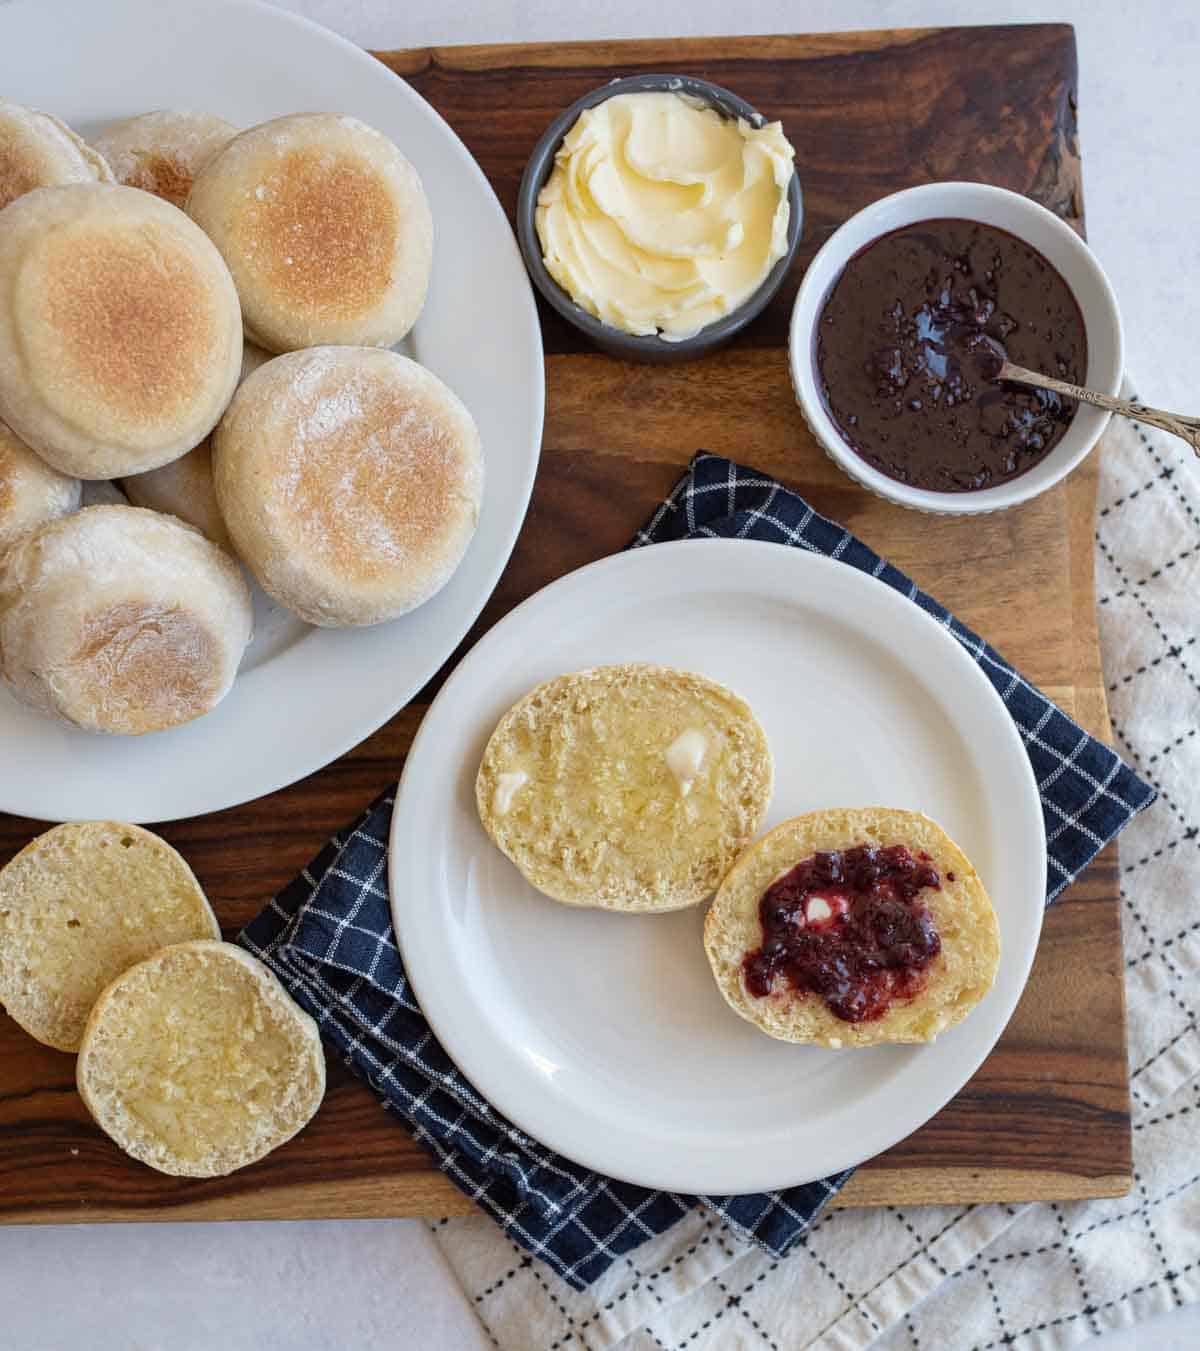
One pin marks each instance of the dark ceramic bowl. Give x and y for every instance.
(629, 346)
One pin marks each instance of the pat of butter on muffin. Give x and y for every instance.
(507, 785)
(685, 757)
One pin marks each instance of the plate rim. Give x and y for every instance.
(514, 1104)
(207, 795)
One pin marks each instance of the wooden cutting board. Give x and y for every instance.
(1047, 1115)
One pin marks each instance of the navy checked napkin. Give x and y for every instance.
(328, 936)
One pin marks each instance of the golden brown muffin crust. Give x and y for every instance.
(138, 348)
(322, 231)
(17, 175)
(376, 488)
(150, 660)
(162, 175)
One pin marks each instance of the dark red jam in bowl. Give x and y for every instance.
(849, 926)
(910, 338)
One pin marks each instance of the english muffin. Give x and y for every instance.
(853, 927)
(162, 152)
(350, 480)
(81, 904)
(120, 333)
(625, 787)
(31, 493)
(325, 227)
(121, 620)
(197, 1062)
(39, 151)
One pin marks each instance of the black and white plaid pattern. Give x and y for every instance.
(328, 936)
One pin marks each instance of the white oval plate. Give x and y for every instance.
(304, 696)
(604, 1035)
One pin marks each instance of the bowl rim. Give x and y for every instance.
(849, 239)
(540, 164)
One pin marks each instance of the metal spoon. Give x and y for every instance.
(1186, 427)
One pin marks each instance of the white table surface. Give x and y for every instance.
(358, 1284)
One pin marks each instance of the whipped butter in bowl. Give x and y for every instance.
(659, 215)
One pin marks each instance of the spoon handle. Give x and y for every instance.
(1186, 427)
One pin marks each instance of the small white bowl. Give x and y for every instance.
(1055, 241)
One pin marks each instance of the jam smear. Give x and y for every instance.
(850, 926)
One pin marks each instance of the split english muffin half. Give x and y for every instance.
(197, 1062)
(853, 927)
(629, 787)
(80, 904)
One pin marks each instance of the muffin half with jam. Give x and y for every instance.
(853, 927)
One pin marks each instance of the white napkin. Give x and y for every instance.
(984, 1277)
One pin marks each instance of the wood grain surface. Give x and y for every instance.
(869, 113)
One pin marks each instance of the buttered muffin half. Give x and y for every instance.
(120, 333)
(197, 1062)
(326, 228)
(121, 620)
(629, 787)
(79, 905)
(350, 480)
(853, 927)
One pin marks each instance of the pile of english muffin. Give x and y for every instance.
(203, 317)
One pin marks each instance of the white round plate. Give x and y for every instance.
(304, 696)
(604, 1035)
